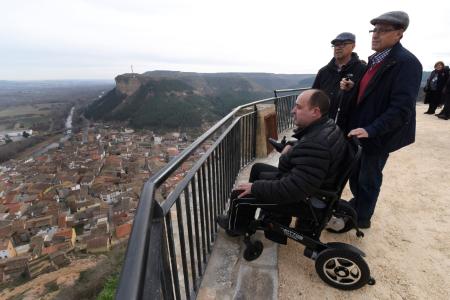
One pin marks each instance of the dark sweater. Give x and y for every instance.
(328, 79)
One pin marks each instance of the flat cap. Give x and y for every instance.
(399, 18)
(345, 36)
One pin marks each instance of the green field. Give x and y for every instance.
(25, 116)
(27, 109)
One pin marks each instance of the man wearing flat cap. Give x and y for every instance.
(383, 112)
(345, 63)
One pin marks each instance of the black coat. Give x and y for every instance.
(328, 79)
(442, 79)
(435, 97)
(314, 162)
(387, 110)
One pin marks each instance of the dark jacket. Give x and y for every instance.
(387, 109)
(314, 162)
(442, 79)
(435, 96)
(328, 79)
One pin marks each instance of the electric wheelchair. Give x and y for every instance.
(338, 264)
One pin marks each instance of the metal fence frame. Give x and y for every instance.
(153, 259)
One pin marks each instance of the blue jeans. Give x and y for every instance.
(365, 184)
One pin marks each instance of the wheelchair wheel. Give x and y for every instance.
(253, 250)
(343, 269)
(346, 213)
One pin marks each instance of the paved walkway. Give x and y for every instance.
(408, 246)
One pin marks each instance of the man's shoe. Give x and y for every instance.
(429, 113)
(442, 117)
(222, 221)
(364, 224)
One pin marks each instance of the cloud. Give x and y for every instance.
(76, 37)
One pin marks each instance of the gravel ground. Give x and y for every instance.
(408, 246)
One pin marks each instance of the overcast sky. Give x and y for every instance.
(99, 39)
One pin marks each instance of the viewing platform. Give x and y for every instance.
(176, 250)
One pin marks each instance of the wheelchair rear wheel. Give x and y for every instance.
(253, 250)
(343, 269)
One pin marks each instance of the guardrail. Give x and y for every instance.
(163, 259)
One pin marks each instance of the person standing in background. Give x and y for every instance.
(344, 64)
(435, 85)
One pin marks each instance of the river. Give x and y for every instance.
(66, 136)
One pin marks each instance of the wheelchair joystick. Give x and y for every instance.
(279, 146)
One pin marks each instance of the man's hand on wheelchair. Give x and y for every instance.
(246, 189)
(359, 133)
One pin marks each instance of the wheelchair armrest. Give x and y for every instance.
(322, 199)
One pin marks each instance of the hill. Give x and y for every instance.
(172, 99)
(167, 99)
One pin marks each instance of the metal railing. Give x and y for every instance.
(163, 259)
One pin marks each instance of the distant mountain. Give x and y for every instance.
(45, 91)
(167, 99)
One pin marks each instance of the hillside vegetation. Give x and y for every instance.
(164, 99)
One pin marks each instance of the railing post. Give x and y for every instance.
(255, 130)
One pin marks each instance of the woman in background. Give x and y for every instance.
(434, 86)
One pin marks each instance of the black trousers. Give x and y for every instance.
(434, 98)
(365, 184)
(264, 171)
(446, 110)
(242, 210)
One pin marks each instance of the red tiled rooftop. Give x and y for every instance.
(13, 207)
(67, 233)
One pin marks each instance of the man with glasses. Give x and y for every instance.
(383, 113)
(344, 64)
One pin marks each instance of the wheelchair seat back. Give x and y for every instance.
(325, 201)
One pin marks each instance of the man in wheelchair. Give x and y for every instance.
(310, 164)
(307, 184)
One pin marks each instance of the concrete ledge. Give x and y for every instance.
(258, 279)
(229, 276)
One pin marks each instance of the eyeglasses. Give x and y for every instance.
(336, 45)
(382, 30)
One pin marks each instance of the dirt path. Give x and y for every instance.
(36, 289)
(408, 246)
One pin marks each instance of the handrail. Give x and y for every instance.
(276, 92)
(151, 216)
(178, 160)
(171, 198)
